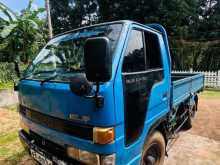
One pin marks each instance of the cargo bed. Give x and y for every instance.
(183, 85)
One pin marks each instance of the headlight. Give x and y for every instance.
(73, 153)
(89, 158)
(108, 159)
(83, 156)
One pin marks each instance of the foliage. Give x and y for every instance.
(202, 56)
(7, 85)
(8, 75)
(209, 23)
(192, 26)
(20, 39)
(7, 72)
(188, 22)
(69, 14)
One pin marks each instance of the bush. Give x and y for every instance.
(7, 72)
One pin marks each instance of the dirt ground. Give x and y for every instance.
(201, 144)
(198, 146)
(8, 97)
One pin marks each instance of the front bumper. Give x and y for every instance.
(48, 151)
(54, 152)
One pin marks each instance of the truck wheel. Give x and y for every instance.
(188, 124)
(154, 150)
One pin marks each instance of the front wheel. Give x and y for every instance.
(154, 150)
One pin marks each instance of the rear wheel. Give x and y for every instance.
(154, 150)
(188, 123)
(191, 114)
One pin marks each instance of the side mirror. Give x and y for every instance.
(97, 59)
(79, 85)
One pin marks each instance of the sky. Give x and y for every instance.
(18, 5)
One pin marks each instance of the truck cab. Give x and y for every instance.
(100, 94)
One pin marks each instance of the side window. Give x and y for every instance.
(134, 60)
(153, 54)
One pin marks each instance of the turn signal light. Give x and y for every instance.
(103, 135)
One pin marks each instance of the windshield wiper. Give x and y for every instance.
(36, 73)
(48, 79)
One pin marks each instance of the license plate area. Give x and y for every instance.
(40, 157)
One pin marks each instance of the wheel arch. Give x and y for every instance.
(160, 126)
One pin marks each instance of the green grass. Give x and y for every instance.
(11, 107)
(210, 94)
(15, 158)
(7, 138)
(4, 151)
(11, 150)
(7, 85)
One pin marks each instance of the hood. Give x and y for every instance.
(57, 100)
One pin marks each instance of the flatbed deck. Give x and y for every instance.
(184, 85)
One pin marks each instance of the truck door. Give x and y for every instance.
(144, 87)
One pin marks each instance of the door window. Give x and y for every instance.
(134, 60)
(152, 49)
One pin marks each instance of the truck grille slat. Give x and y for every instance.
(65, 126)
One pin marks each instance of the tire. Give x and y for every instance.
(196, 102)
(154, 150)
(188, 124)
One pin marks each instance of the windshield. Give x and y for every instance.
(63, 55)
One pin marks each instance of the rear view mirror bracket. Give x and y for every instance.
(80, 86)
(99, 99)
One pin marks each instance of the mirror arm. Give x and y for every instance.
(99, 100)
(97, 89)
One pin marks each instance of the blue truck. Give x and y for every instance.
(105, 95)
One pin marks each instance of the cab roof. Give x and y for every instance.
(106, 23)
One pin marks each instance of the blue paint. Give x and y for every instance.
(55, 99)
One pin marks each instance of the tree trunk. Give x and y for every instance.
(50, 29)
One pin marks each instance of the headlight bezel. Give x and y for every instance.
(111, 158)
(97, 159)
(82, 156)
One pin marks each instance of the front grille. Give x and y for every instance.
(65, 126)
(47, 145)
(51, 147)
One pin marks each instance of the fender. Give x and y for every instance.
(160, 126)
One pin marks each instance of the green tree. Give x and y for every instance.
(21, 38)
(174, 15)
(69, 14)
(209, 22)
